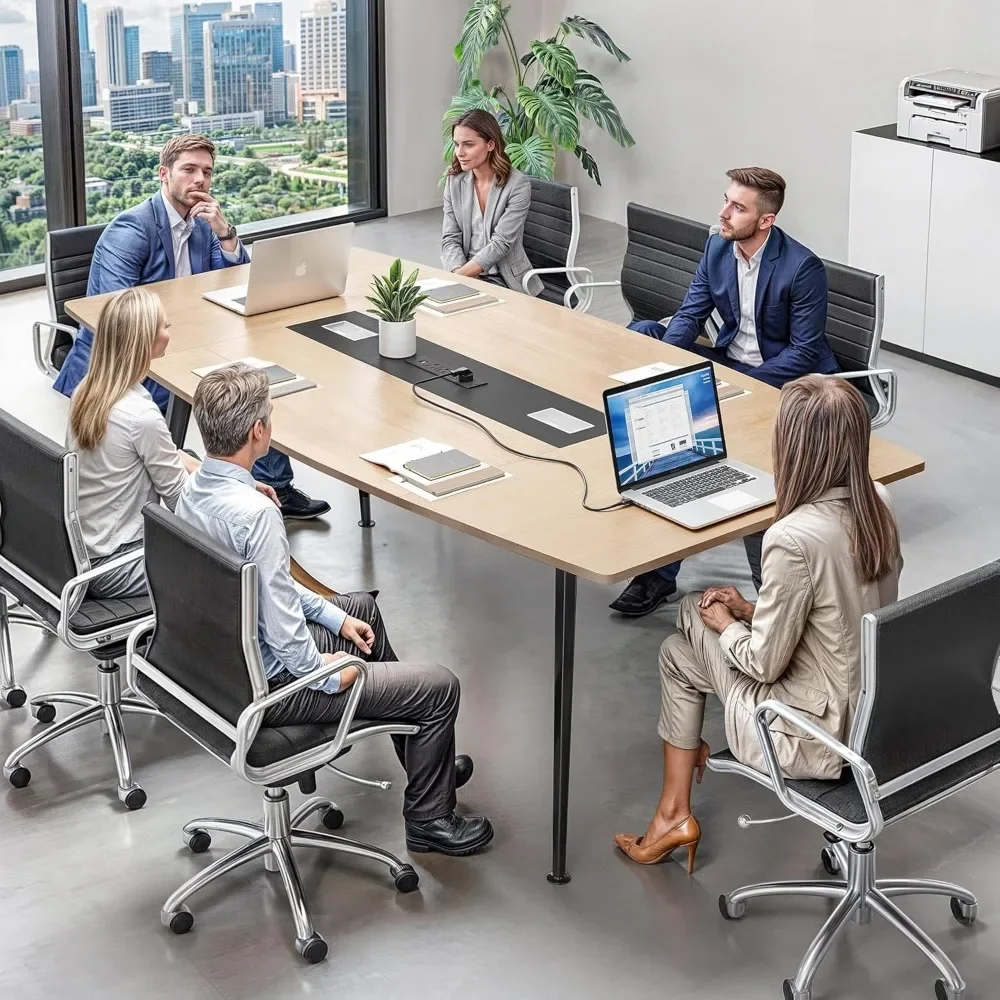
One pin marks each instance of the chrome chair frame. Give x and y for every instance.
(850, 849)
(108, 705)
(273, 838)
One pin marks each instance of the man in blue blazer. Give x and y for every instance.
(771, 293)
(175, 233)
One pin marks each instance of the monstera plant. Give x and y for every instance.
(551, 93)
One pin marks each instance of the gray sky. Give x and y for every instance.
(17, 22)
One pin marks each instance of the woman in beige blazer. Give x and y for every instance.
(486, 202)
(831, 556)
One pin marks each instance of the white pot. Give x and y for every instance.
(397, 340)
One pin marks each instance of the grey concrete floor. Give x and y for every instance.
(82, 882)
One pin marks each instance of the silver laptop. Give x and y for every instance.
(669, 450)
(291, 270)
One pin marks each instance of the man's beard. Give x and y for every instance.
(739, 235)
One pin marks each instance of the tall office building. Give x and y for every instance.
(289, 57)
(83, 28)
(273, 13)
(109, 45)
(11, 74)
(142, 107)
(88, 78)
(187, 40)
(156, 67)
(132, 59)
(237, 55)
(323, 48)
(284, 96)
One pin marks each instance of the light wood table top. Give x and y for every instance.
(537, 512)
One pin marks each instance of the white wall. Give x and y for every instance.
(780, 83)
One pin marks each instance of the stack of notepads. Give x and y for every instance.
(282, 381)
(445, 298)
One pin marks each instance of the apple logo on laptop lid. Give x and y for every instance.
(300, 271)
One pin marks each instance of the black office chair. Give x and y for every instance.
(44, 569)
(661, 258)
(203, 671)
(68, 253)
(551, 238)
(925, 727)
(855, 312)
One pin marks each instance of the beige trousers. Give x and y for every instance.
(692, 666)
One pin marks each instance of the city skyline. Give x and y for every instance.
(152, 17)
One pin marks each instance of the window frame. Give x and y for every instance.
(62, 141)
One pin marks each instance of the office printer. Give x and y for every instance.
(954, 107)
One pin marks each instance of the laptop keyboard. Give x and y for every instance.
(722, 477)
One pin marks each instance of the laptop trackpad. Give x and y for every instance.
(732, 500)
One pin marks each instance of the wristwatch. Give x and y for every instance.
(230, 234)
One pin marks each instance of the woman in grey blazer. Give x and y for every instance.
(486, 201)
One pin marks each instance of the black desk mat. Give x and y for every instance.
(504, 398)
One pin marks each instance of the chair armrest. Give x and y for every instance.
(248, 724)
(75, 587)
(587, 287)
(552, 270)
(863, 774)
(886, 395)
(43, 356)
(135, 637)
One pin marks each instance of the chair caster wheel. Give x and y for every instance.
(942, 992)
(788, 992)
(964, 913)
(406, 879)
(44, 711)
(830, 863)
(19, 777)
(198, 841)
(15, 697)
(733, 912)
(333, 818)
(179, 922)
(312, 949)
(134, 797)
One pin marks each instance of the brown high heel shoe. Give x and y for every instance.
(687, 834)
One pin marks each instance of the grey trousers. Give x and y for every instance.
(126, 581)
(424, 694)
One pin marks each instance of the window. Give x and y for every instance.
(291, 93)
(22, 171)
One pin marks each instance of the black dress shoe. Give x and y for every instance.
(296, 506)
(453, 835)
(463, 769)
(644, 594)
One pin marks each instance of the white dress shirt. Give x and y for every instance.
(744, 347)
(136, 463)
(180, 235)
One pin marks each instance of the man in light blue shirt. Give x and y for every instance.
(298, 631)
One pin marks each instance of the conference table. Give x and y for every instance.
(536, 511)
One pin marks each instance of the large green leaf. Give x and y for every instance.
(584, 28)
(588, 163)
(472, 98)
(557, 60)
(480, 32)
(593, 103)
(535, 156)
(553, 113)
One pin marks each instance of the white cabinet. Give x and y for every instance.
(920, 215)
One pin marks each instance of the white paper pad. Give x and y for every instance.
(278, 390)
(349, 331)
(394, 457)
(423, 494)
(253, 362)
(564, 422)
(732, 500)
(646, 371)
(429, 284)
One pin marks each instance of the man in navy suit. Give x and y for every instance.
(178, 232)
(771, 293)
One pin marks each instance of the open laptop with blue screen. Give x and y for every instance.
(669, 450)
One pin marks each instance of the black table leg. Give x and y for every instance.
(366, 510)
(178, 415)
(564, 648)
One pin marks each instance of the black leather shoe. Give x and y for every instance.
(463, 769)
(644, 594)
(453, 835)
(296, 506)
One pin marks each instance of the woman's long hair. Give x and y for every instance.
(119, 359)
(488, 128)
(821, 441)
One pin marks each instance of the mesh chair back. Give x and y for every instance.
(853, 316)
(549, 235)
(33, 492)
(935, 655)
(196, 588)
(67, 269)
(660, 261)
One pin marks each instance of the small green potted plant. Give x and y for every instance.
(395, 301)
